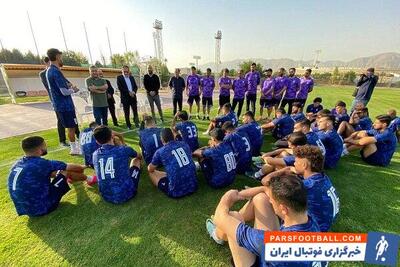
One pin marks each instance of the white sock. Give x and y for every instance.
(259, 174)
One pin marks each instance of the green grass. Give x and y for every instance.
(25, 99)
(153, 230)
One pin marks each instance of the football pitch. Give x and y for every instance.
(153, 230)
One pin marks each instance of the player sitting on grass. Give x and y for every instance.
(312, 109)
(297, 112)
(89, 145)
(340, 113)
(179, 178)
(284, 197)
(117, 167)
(322, 200)
(333, 143)
(31, 188)
(395, 123)
(149, 137)
(253, 130)
(377, 145)
(227, 115)
(359, 121)
(241, 147)
(185, 130)
(217, 161)
(281, 126)
(321, 113)
(282, 157)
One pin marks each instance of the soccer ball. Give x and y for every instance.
(383, 259)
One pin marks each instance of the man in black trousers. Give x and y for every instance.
(177, 85)
(110, 98)
(128, 88)
(60, 128)
(152, 85)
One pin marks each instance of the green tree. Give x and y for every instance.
(98, 64)
(349, 77)
(72, 58)
(118, 60)
(30, 58)
(232, 72)
(245, 66)
(335, 76)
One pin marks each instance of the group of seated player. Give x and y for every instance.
(295, 194)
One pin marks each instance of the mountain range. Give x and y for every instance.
(389, 60)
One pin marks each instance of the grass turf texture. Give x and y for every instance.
(25, 99)
(153, 230)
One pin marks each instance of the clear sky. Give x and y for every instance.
(343, 30)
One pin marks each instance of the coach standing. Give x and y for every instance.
(365, 87)
(98, 92)
(177, 85)
(128, 88)
(253, 80)
(152, 85)
(110, 98)
(60, 95)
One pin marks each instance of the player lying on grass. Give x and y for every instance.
(185, 130)
(395, 123)
(253, 130)
(312, 109)
(149, 137)
(377, 145)
(283, 197)
(332, 141)
(267, 94)
(241, 147)
(340, 113)
(89, 144)
(179, 178)
(36, 185)
(217, 161)
(297, 112)
(322, 199)
(359, 121)
(117, 167)
(281, 126)
(227, 115)
(281, 157)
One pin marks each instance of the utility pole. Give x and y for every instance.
(109, 46)
(126, 47)
(33, 35)
(62, 31)
(87, 41)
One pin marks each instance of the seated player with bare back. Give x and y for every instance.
(36, 185)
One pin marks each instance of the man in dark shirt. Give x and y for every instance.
(152, 84)
(60, 128)
(365, 87)
(177, 85)
(110, 98)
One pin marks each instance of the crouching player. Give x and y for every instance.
(377, 145)
(179, 178)
(322, 199)
(284, 197)
(117, 167)
(217, 161)
(30, 182)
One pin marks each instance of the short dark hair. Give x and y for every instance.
(167, 135)
(290, 191)
(309, 70)
(226, 70)
(297, 104)
(228, 126)
(208, 69)
(371, 69)
(253, 64)
(304, 122)
(313, 154)
(268, 70)
(281, 110)
(293, 69)
(297, 139)
(324, 112)
(218, 134)
(183, 115)
(193, 68)
(148, 120)
(31, 143)
(249, 114)
(93, 124)
(282, 69)
(52, 53)
(317, 99)
(329, 117)
(227, 105)
(384, 119)
(340, 103)
(46, 59)
(102, 134)
(125, 67)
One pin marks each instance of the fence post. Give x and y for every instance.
(8, 84)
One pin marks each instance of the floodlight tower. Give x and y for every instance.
(217, 59)
(197, 58)
(317, 53)
(158, 43)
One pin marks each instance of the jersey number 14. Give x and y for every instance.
(107, 168)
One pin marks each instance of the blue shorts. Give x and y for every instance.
(208, 172)
(59, 187)
(374, 159)
(193, 98)
(289, 160)
(67, 118)
(266, 103)
(134, 172)
(243, 165)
